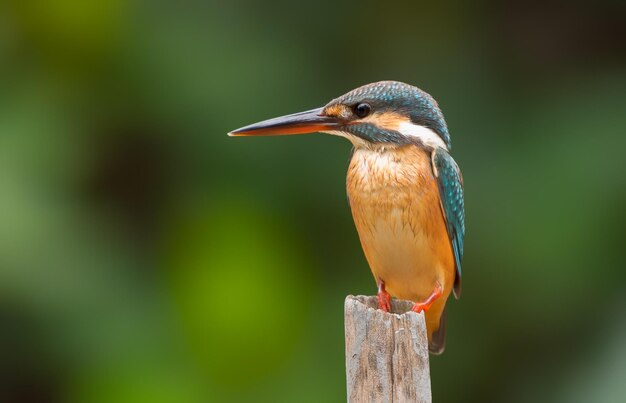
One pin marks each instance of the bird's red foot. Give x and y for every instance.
(384, 299)
(424, 306)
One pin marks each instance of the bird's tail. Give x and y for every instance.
(438, 339)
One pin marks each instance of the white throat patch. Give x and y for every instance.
(357, 142)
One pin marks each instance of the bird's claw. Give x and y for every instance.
(420, 307)
(384, 299)
(424, 306)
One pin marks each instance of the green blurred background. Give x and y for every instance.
(147, 257)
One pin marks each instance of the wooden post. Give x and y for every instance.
(386, 353)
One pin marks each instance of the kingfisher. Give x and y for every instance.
(404, 188)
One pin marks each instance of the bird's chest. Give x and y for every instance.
(394, 188)
(395, 204)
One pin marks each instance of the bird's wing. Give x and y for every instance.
(450, 183)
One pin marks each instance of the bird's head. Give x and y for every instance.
(385, 113)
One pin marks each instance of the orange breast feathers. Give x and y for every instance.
(396, 209)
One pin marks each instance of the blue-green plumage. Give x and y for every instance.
(375, 134)
(450, 184)
(399, 98)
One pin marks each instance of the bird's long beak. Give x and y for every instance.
(297, 123)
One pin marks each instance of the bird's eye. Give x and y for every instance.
(362, 110)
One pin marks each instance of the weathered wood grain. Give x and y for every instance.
(386, 353)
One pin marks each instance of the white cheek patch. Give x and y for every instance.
(424, 134)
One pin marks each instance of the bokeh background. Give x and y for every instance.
(147, 257)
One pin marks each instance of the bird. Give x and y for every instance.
(404, 189)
